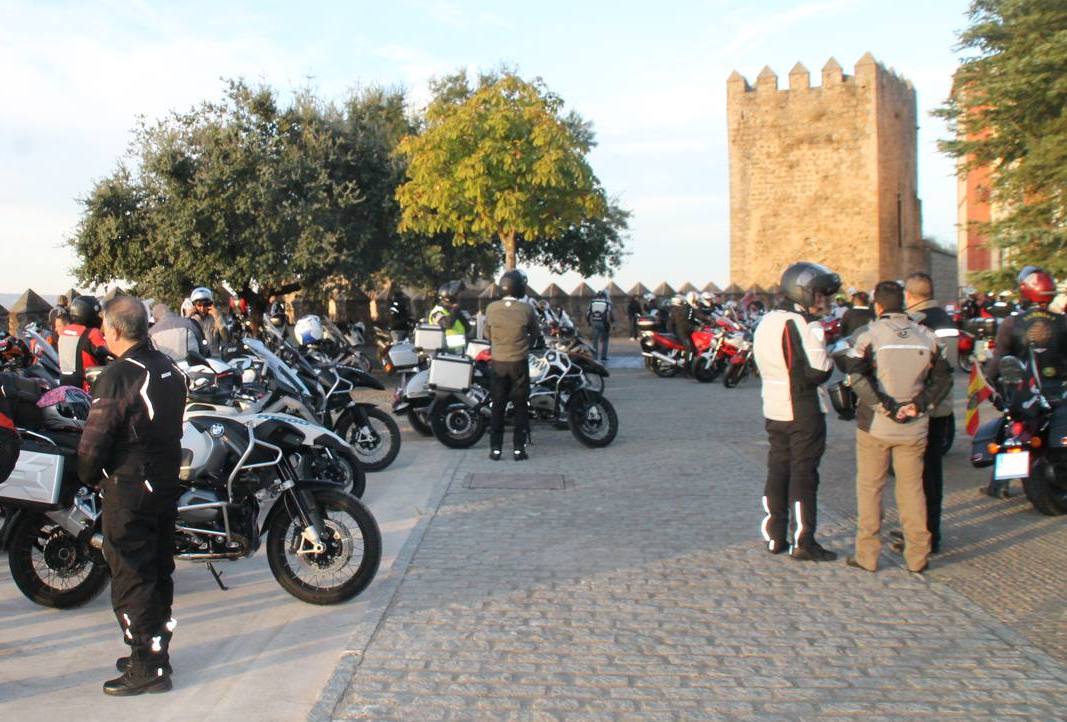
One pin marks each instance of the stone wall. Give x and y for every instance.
(824, 173)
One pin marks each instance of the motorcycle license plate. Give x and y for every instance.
(1012, 466)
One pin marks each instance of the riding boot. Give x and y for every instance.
(145, 672)
(123, 663)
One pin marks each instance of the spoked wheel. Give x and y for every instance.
(352, 550)
(456, 424)
(51, 567)
(340, 467)
(594, 422)
(706, 370)
(376, 442)
(420, 421)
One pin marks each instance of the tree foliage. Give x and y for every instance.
(1007, 113)
(500, 161)
(243, 189)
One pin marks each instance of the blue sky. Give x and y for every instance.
(651, 77)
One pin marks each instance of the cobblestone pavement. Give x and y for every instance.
(641, 591)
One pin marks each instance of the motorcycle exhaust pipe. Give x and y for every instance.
(666, 359)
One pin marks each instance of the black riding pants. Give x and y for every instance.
(792, 479)
(933, 478)
(510, 382)
(138, 526)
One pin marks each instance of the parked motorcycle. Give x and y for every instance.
(1029, 441)
(559, 394)
(237, 486)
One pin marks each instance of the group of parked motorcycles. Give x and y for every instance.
(444, 390)
(721, 348)
(276, 446)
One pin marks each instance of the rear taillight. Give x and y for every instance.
(1017, 428)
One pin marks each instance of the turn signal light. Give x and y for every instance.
(1035, 443)
(993, 448)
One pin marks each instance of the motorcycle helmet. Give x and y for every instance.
(650, 297)
(1036, 285)
(85, 310)
(692, 298)
(843, 399)
(707, 298)
(677, 300)
(65, 408)
(448, 293)
(803, 281)
(278, 317)
(308, 330)
(513, 283)
(14, 353)
(202, 294)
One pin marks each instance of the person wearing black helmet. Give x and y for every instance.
(398, 316)
(791, 355)
(448, 315)
(511, 327)
(81, 345)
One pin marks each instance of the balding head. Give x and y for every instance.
(919, 286)
(127, 317)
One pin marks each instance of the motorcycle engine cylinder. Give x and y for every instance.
(199, 516)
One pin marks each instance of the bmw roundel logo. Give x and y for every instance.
(216, 430)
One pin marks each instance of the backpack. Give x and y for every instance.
(598, 310)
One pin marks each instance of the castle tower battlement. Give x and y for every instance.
(825, 173)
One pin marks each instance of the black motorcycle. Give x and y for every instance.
(1029, 441)
(560, 394)
(322, 544)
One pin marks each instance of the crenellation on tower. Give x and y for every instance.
(826, 173)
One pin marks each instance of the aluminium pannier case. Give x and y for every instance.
(403, 355)
(38, 476)
(451, 373)
(429, 337)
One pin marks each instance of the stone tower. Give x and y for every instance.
(825, 174)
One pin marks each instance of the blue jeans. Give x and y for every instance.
(601, 334)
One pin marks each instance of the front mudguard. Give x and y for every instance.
(583, 397)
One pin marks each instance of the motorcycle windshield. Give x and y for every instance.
(42, 347)
(278, 368)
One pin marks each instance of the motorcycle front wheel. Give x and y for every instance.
(734, 375)
(706, 370)
(455, 423)
(375, 443)
(51, 567)
(353, 550)
(419, 421)
(593, 423)
(965, 362)
(1046, 487)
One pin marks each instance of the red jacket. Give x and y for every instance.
(80, 348)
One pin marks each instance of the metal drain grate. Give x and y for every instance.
(515, 481)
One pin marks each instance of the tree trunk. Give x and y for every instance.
(508, 239)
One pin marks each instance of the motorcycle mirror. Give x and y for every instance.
(1012, 370)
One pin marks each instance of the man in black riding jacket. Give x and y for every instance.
(131, 448)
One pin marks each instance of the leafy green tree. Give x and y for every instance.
(242, 189)
(500, 162)
(1007, 114)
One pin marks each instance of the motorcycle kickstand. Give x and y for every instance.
(218, 577)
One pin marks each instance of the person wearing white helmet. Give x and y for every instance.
(308, 330)
(210, 320)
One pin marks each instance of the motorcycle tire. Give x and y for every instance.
(965, 362)
(705, 371)
(373, 455)
(419, 422)
(664, 371)
(455, 424)
(734, 375)
(341, 468)
(36, 534)
(593, 432)
(1048, 496)
(284, 535)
